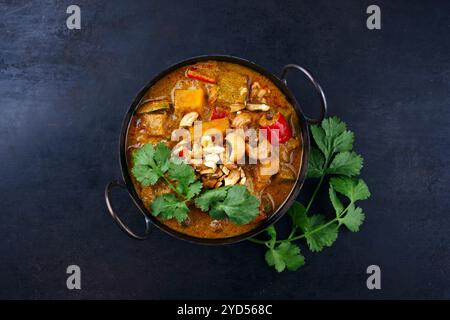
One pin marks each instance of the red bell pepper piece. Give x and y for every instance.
(284, 130)
(218, 114)
(193, 73)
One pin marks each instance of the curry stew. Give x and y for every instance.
(223, 96)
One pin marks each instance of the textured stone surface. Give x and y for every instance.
(63, 95)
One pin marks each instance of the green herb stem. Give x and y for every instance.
(317, 229)
(172, 186)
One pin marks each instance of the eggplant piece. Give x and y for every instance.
(286, 173)
(148, 106)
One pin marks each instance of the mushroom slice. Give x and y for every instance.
(188, 119)
(237, 144)
(257, 107)
(232, 178)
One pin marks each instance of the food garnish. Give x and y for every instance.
(154, 163)
(332, 156)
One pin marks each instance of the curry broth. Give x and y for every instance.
(271, 190)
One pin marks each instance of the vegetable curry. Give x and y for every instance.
(200, 183)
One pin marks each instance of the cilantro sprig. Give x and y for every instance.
(235, 203)
(154, 163)
(332, 156)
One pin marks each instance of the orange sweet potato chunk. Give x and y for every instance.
(189, 100)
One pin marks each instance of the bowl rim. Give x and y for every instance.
(282, 209)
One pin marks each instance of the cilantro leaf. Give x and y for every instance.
(194, 189)
(183, 174)
(217, 214)
(272, 232)
(286, 255)
(346, 163)
(210, 197)
(337, 204)
(344, 141)
(162, 157)
(316, 162)
(320, 139)
(168, 206)
(318, 234)
(332, 136)
(353, 218)
(145, 175)
(239, 205)
(144, 155)
(297, 212)
(353, 189)
(333, 126)
(145, 169)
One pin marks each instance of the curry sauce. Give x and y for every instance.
(223, 96)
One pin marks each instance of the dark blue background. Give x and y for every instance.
(63, 95)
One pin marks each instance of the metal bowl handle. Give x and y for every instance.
(116, 218)
(323, 100)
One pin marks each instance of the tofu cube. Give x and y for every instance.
(189, 100)
(154, 123)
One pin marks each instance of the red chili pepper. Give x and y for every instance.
(194, 74)
(284, 130)
(181, 153)
(218, 114)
